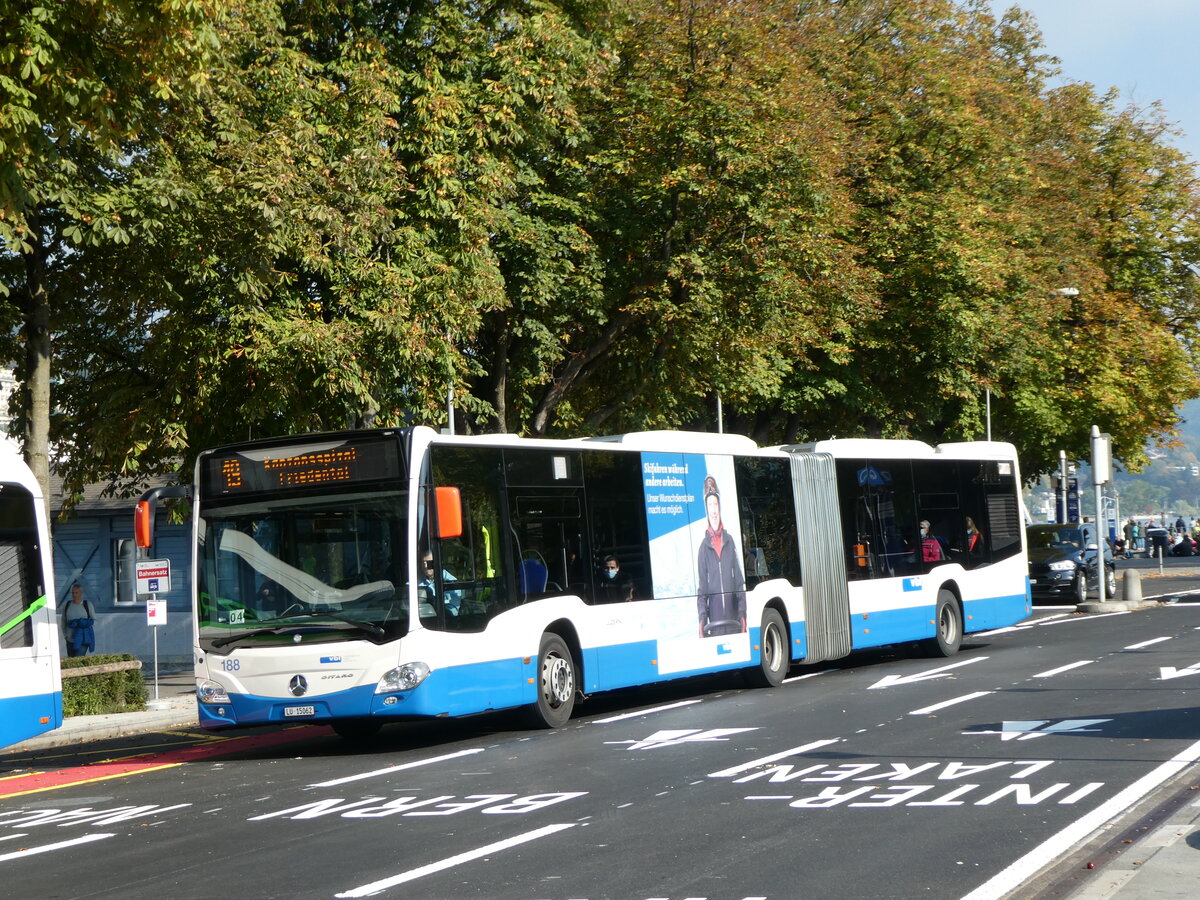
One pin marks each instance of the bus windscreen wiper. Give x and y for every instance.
(369, 627)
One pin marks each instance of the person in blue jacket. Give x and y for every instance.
(721, 592)
(78, 623)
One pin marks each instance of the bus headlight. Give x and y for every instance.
(211, 692)
(402, 678)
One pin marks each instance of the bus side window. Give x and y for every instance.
(472, 565)
(617, 523)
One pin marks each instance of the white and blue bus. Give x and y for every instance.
(30, 679)
(363, 577)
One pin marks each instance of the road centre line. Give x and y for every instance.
(644, 712)
(755, 763)
(400, 768)
(1068, 667)
(1157, 640)
(383, 884)
(1015, 874)
(47, 848)
(935, 707)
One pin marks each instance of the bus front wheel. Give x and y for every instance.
(555, 684)
(949, 624)
(773, 656)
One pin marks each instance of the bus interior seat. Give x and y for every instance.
(531, 576)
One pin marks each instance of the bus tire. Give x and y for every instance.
(556, 683)
(356, 729)
(948, 623)
(773, 656)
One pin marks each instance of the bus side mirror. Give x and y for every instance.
(143, 512)
(449, 512)
(143, 524)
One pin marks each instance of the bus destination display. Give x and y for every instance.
(299, 466)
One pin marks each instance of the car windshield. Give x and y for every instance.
(323, 568)
(1046, 538)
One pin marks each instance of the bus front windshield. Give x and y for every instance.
(302, 569)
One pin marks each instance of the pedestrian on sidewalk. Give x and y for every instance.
(78, 623)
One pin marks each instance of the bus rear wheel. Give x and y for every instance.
(773, 658)
(555, 684)
(949, 624)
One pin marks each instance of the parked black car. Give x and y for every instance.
(1063, 562)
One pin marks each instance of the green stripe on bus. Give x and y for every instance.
(13, 623)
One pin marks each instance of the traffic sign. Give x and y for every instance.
(153, 576)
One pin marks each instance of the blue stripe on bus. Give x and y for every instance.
(916, 622)
(20, 717)
(461, 690)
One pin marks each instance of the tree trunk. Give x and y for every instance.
(37, 360)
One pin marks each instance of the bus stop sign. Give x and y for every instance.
(153, 576)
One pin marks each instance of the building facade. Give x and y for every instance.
(94, 546)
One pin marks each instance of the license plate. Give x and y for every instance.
(290, 711)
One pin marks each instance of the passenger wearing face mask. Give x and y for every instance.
(612, 586)
(932, 549)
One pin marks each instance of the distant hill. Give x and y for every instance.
(1171, 483)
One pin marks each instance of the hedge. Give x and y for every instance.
(106, 692)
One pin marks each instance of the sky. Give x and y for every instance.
(1147, 49)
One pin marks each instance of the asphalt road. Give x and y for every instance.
(884, 775)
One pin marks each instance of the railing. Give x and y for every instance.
(119, 666)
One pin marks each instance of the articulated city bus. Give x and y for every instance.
(30, 680)
(362, 577)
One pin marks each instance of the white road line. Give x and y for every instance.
(643, 712)
(400, 768)
(1068, 667)
(808, 675)
(30, 851)
(1009, 878)
(13, 837)
(963, 699)
(1089, 618)
(1146, 643)
(754, 763)
(376, 887)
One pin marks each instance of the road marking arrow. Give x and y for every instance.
(893, 680)
(1167, 672)
(1028, 730)
(675, 737)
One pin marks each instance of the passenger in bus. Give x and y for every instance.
(931, 546)
(612, 586)
(974, 537)
(721, 591)
(77, 624)
(428, 584)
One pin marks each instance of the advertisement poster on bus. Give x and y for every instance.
(695, 560)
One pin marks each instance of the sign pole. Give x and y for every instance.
(153, 576)
(154, 599)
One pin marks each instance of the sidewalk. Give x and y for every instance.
(176, 707)
(1164, 865)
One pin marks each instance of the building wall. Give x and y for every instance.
(86, 550)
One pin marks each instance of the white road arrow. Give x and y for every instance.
(675, 737)
(893, 680)
(1168, 672)
(1027, 731)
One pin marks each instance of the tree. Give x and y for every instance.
(327, 211)
(78, 80)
